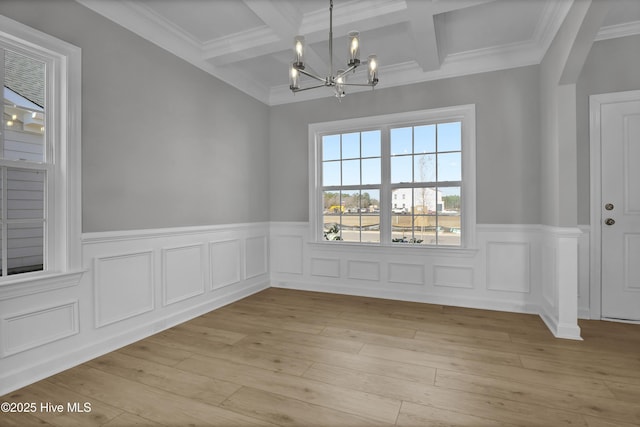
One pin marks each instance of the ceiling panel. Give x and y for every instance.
(205, 19)
(489, 25)
(248, 43)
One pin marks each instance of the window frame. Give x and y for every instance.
(62, 259)
(463, 113)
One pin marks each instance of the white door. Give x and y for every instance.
(620, 210)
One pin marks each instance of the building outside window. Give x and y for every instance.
(363, 167)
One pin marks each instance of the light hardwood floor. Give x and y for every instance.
(293, 358)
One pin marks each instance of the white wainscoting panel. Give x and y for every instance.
(287, 253)
(183, 273)
(453, 276)
(325, 267)
(256, 260)
(508, 267)
(24, 331)
(363, 270)
(226, 263)
(124, 287)
(410, 274)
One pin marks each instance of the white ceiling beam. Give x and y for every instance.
(282, 17)
(449, 6)
(584, 38)
(361, 15)
(423, 32)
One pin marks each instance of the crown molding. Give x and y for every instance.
(620, 30)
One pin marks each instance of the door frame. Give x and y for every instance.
(595, 163)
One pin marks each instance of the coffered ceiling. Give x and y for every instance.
(248, 43)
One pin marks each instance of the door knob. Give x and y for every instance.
(609, 206)
(609, 221)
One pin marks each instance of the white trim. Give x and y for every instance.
(620, 30)
(595, 124)
(35, 284)
(152, 233)
(465, 113)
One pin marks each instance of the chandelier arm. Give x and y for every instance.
(347, 71)
(310, 87)
(313, 76)
(360, 84)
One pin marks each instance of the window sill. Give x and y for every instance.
(409, 249)
(37, 283)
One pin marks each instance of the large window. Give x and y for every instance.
(39, 156)
(398, 180)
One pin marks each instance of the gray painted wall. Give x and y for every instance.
(507, 137)
(164, 144)
(612, 66)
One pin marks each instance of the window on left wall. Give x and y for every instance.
(39, 155)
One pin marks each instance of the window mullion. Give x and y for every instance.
(385, 186)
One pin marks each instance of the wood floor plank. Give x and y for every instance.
(251, 323)
(187, 384)
(476, 404)
(580, 367)
(45, 392)
(601, 422)
(362, 404)
(415, 415)
(437, 349)
(285, 411)
(357, 362)
(209, 333)
(428, 322)
(344, 344)
(562, 381)
(629, 392)
(129, 420)
(20, 419)
(284, 363)
(146, 401)
(574, 401)
(157, 352)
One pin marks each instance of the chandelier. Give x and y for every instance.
(339, 80)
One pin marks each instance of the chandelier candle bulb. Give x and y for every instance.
(373, 70)
(341, 80)
(294, 78)
(354, 48)
(298, 50)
